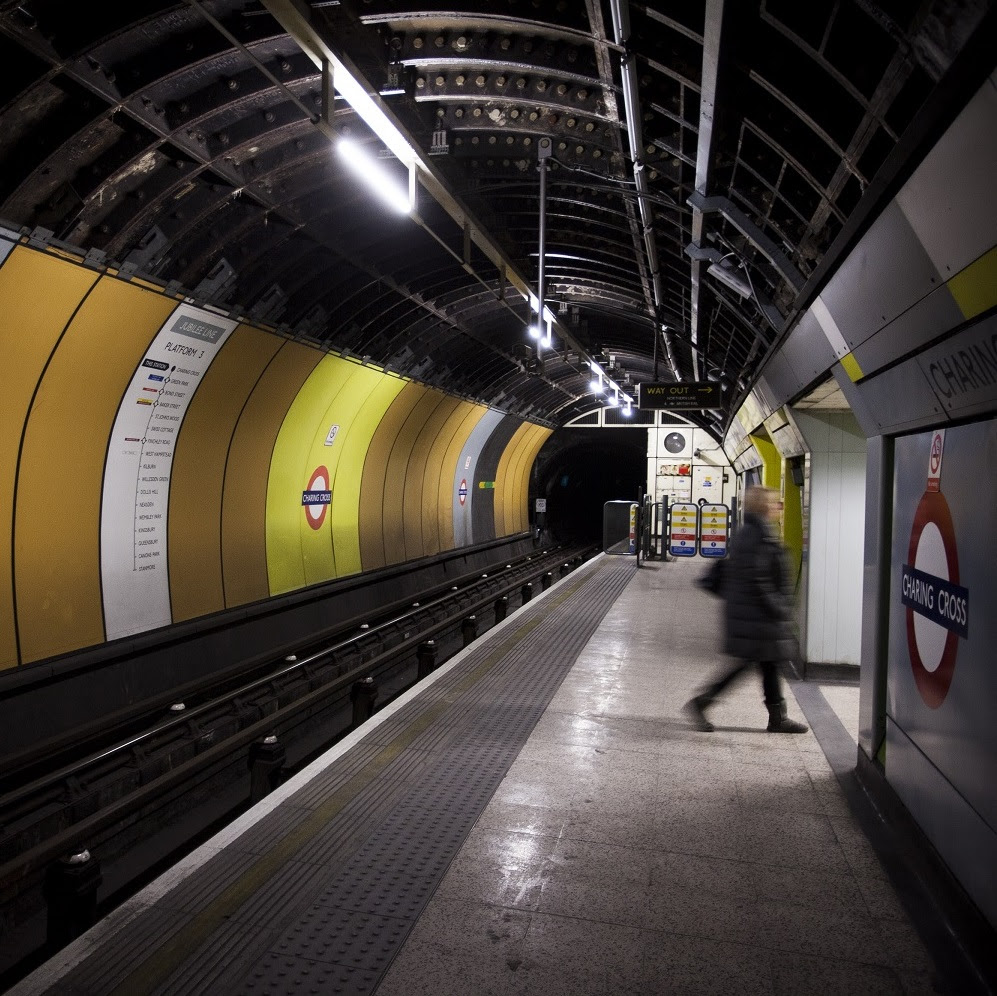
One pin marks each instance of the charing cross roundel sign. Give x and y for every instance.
(937, 606)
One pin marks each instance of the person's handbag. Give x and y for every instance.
(712, 579)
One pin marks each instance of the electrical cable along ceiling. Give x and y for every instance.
(704, 158)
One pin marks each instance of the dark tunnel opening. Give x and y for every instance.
(579, 470)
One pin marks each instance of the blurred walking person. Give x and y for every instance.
(757, 594)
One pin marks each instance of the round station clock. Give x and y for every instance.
(675, 442)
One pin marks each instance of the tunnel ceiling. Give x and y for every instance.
(184, 141)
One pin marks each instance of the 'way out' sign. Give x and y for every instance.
(696, 394)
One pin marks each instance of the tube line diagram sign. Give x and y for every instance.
(136, 492)
(683, 519)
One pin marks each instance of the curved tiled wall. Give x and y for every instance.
(160, 461)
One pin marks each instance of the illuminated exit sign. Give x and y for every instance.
(696, 394)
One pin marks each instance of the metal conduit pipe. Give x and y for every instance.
(621, 31)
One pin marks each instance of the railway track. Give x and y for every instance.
(107, 817)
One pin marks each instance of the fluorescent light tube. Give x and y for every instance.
(731, 278)
(376, 176)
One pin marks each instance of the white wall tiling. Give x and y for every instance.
(837, 502)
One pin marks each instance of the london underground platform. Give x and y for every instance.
(539, 817)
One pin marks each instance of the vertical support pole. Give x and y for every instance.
(362, 695)
(876, 561)
(544, 151)
(266, 759)
(426, 656)
(542, 242)
(328, 92)
(469, 628)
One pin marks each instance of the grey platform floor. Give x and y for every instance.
(621, 853)
(626, 853)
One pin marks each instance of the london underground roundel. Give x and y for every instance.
(937, 606)
(317, 497)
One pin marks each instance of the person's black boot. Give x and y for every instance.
(694, 709)
(779, 721)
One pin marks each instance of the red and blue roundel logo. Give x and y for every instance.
(937, 605)
(317, 497)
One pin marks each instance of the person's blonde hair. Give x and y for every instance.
(757, 500)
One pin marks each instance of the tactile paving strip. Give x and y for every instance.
(321, 901)
(393, 876)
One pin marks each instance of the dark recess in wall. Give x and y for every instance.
(579, 470)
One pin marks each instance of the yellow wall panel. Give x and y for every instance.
(452, 412)
(381, 538)
(520, 474)
(39, 294)
(244, 502)
(504, 483)
(450, 458)
(420, 469)
(369, 395)
(512, 489)
(336, 556)
(297, 534)
(198, 473)
(57, 556)
(540, 436)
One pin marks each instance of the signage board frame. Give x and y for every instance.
(680, 508)
(678, 396)
(712, 553)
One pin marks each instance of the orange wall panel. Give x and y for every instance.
(453, 412)
(199, 467)
(450, 458)
(508, 464)
(381, 538)
(416, 442)
(57, 539)
(521, 513)
(40, 293)
(422, 482)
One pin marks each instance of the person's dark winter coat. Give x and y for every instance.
(757, 600)
(758, 596)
